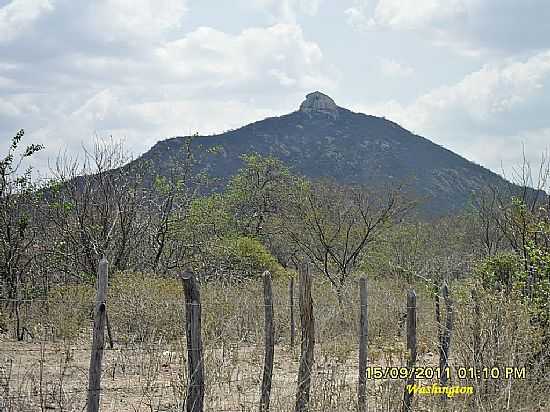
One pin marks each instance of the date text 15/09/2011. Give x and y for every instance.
(419, 372)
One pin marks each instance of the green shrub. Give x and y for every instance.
(501, 271)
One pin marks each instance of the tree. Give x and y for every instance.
(335, 224)
(235, 232)
(106, 204)
(95, 209)
(258, 192)
(211, 244)
(509, 212)
(18, 226)
(520, 214)
(258, 198)
(171, 198)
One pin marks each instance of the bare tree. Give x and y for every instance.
(94, 209)
(334, 225)
(106, 204)
(509, 213)
(168, 204)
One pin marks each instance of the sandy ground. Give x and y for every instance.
(54, 377)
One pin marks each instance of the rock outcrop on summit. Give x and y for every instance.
(319, 102)
(323, 140)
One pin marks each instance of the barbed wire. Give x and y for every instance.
(224, 310)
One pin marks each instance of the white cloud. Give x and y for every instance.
(287, 10)
(140, 124)
(250, 59)
(18, 15)
(397, 14)
(135, 19)
(505, 155)
(490, 94)
(392, 68)
(202, 81)
(33, 29)
(416, 15)
(470, 26)
(486, 113)
(148, 69)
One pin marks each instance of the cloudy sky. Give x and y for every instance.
(471, 75)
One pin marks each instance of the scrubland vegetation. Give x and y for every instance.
(495, 258)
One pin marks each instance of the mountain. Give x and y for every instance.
(323, 140)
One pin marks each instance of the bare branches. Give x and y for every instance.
(18, 225)
(334, 225)
(507, 212)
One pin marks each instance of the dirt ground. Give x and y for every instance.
(54, 377)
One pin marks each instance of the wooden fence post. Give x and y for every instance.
(411, 348)
(445, 335)
(269, 331)
(363, 346)
(477, 348)
(291, 305)
(478, 358)
(195, 366)
(308, 341)
(98, 342)
(109, 332)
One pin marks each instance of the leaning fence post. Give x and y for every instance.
(269, 344)
(363, 334)
(291, 305)
(195, 366)
(411, 349)
(308, 341)
(98, 340)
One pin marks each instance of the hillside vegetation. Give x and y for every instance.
(152, 225)
(323, 140)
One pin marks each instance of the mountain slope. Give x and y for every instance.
(324, 140)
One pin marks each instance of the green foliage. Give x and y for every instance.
(208, 217)
(527, 276)
(537, 282)
(239, 256)
(258, 192)
(218, 245)
(238, 231)
(402, 251)
(250, 256)
(335, 225)
(502, 271)
(18, 223)
(165, 186)
(495, 327)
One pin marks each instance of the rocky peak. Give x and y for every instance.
(319, 102)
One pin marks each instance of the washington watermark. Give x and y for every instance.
(449, 391)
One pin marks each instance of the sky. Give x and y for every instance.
(470, 75)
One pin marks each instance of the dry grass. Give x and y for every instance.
(146, 371)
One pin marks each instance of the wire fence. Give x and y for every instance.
(154, 377)
(149, 354)
(146, 370)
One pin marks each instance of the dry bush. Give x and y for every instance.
(68, 311)
(145, 308)
(494, 329)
